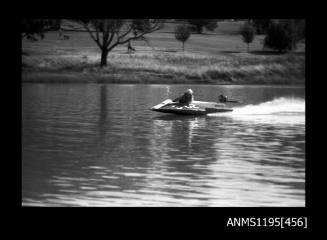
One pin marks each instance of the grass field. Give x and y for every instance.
(219, 57)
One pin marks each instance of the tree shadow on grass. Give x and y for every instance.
(298, 53)
(169, 50)
(262, 52)
(230, 51)
(276, 53)
(265, 52)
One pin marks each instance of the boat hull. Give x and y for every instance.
(196, 108)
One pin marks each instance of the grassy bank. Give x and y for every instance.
(218, 58)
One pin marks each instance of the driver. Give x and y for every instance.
(222, 98)
(186, 98)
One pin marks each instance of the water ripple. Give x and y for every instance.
(97, 145)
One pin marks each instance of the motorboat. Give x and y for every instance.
(195, 108)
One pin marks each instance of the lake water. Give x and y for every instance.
(99, 145)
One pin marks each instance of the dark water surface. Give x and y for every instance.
(99, 145)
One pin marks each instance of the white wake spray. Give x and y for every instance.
(277, 111)
(276, 106)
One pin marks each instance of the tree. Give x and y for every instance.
(248, 32)
(182, 33)
(38, 27)
(199, 24)
(33, 27)
(109, 33)
(300, 29)
(261, 25)
(211, 25)
(281, 35)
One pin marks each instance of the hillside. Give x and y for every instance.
(213, 57)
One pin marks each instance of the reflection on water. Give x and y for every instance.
(98, 145)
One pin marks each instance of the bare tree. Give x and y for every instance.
(109, 33)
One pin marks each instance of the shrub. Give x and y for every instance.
(281, 36)
(198, 24)
(261, 25)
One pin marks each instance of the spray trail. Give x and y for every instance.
(277, 111)
(281, 106)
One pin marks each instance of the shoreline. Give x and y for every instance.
(206, 60)
(151, 78)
